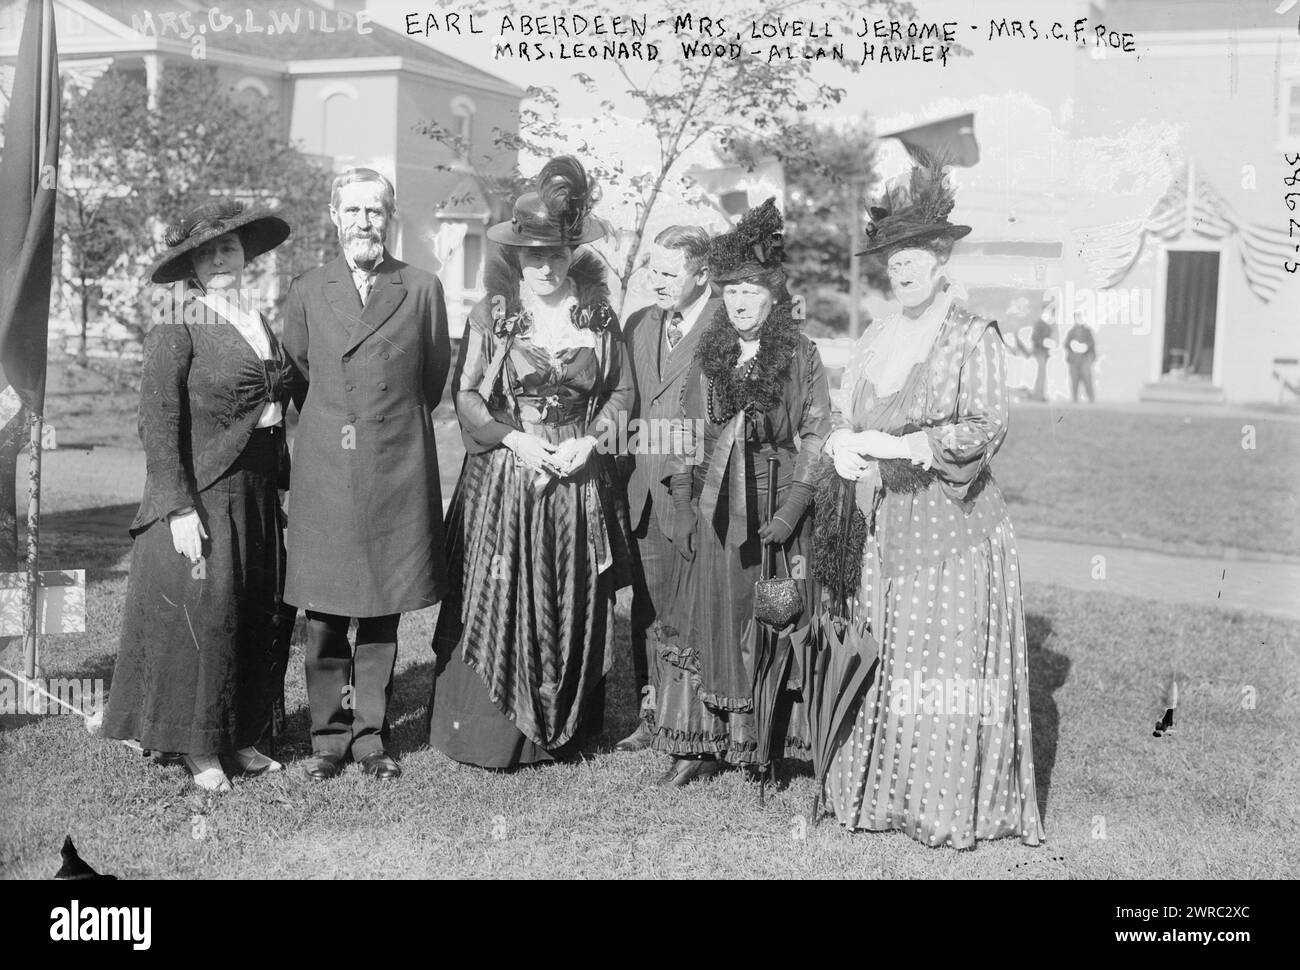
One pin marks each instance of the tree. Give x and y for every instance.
(104, 127)
(686, 100)
(133, 167)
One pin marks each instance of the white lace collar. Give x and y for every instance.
(552, 323)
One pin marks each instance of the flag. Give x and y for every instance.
(27, 190)
(1110, 250)
(952, 139)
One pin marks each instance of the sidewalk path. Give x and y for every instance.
(1236, 584)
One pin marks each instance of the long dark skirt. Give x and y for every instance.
(712, 611)
(524, 635)
(203, 653)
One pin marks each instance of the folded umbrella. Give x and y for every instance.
(838, 651)
(772, 653)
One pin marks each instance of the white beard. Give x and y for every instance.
(364, 251)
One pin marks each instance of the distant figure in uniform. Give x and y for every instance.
(1043, 340)
(1080, 352)
(369, 334)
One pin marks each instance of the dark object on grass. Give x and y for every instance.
(73, 867)
(1165, 725)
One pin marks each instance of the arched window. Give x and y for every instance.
(462, 110)
(251, 91)
(338, 121)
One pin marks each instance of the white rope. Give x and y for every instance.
(41, 690)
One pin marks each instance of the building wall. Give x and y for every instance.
(350, 117)
(1225, 116)
(434, 235)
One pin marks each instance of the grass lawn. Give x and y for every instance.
(1104, 475)
(1220, 798)
(1116, 476)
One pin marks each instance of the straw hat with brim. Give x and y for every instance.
(259, 232)
(558, 213)
(887, 230)
(533, 225)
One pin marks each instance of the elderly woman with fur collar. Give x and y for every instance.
(756, 390)
(537, 538)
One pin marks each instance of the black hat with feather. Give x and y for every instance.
(753, 250)
(259, 232)
(914, 210)
(558, 213)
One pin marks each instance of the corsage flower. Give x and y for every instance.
(517, 323)
(595, 317)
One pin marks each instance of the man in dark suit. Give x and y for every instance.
(661, 341)
(365, 538)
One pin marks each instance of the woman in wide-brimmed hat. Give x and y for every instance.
(537, 538)
(200, 669)
(940, 745)
(756, 390)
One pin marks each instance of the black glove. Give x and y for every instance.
(780, 527)
(682, 533)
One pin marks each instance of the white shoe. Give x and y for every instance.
(253, 762)
(208, 773)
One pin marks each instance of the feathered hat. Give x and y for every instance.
(259, 232)
(558, 213)
(754, 248)
(914, 209)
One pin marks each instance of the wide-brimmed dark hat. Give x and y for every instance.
(913, 211)
(259, 232)
(754, 249)
(558, 213)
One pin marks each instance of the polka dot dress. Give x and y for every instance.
(940, 747)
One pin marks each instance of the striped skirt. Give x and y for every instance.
(524, 637)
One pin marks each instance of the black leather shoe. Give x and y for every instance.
(323, 767)
(638, 740)
(686, 770)
(379, 765)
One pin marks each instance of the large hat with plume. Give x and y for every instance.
(558, 213)
(259, 232)
(755, 248)
(913, 209)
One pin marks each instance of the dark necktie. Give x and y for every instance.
(674, 329)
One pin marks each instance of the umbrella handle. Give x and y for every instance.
(769, 549)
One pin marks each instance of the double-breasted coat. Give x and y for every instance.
(658, 373)
(365, 531)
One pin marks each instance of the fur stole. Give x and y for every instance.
(719, 350)
(590, 286)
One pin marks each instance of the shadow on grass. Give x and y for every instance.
(1048, 672)
(75, 687)
(94, 539)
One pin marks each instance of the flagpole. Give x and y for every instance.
(855, 266)
(31, 598)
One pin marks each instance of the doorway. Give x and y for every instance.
(1191, 315)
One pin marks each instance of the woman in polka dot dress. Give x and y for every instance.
(940, 746)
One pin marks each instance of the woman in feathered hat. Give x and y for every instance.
(538, 543)
(940, 746)
(205, 636)
(756, 389)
